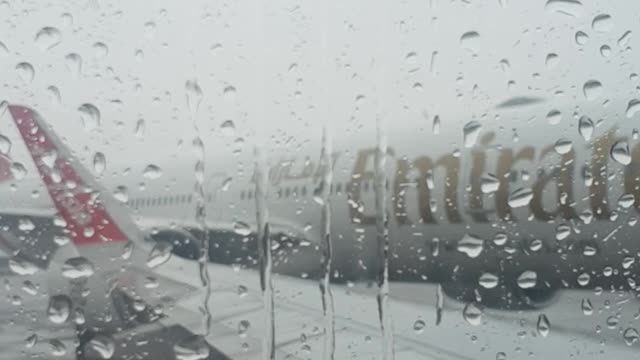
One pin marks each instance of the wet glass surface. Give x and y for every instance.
(319, 180)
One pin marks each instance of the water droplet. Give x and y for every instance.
(31, 341)
(602, 23)
(74, 64)
(22, 267)
(592, 89)
(472, 314)
(100, 50)
(57, 347)
(77, 267)
(99, 163)
(626, 200)
(194, 95)
(527, 279)
(488, 280)
(633, 107)
(192, 348)
(520, 197)
(29, 287)
(418, 326)
(587, 307)
(471, 131)
(471, 245)
(568, 7)
(149, 29)
(562, 231)
(90, 116)
(226, 184)
(121, 193)
(563, 146)
(605, 51)
(241, 228)
(101, 345)
(140, 127)
(160, 254)
(584, 279)
(47, 38)
(26, 225)
(18, 170)
(436, 125)
(139, 55)
(4, 51)
(552, 60)
(543, 327)
(623, 41)
(54, 94)
(67, 19)
(229, 93)
(470, 41)
(61, 240)
(620, 153)
(489, 183)
(228, 128)
(152, 171)
(59, 309)
(581, 38)
(585, 127)
(500, 239)
(25, 72)
(243, 327)
(631, 336)
(554, 117)
(504, 65)
(501, 356)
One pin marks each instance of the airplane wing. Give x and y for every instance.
(132, 300)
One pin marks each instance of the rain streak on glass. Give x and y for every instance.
(325, 187)
(264, 254)
(383, 242)
(194, 98)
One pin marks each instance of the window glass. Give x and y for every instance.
(332, 179)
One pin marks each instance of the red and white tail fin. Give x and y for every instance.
(5, 169)
(91, 213)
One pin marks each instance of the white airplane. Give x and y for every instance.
(502, 228)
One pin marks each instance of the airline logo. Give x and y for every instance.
(87, 221)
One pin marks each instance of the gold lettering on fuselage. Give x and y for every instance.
(478, 166)
(506, 162)
(360, 175)
(425, 167)
(562, 176)
(598, 191)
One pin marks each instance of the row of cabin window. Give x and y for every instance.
(163, 200)
(302, 191)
